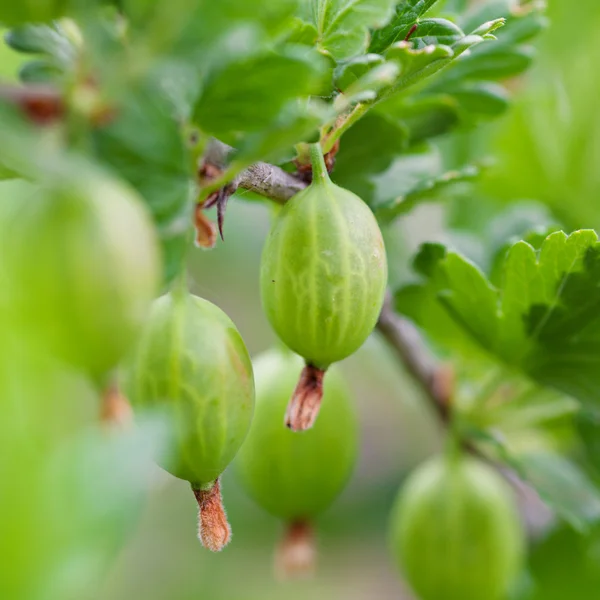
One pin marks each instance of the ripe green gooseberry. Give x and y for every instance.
(296, 476)
(323, 278)
(456, 531)
(80, 261)
(192, 367)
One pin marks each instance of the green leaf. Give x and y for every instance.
(436, 32)
(588, 427)
(348, 73)
(418, 64)
(247, 94)
(429, 117)
(54, 44)
(189, 28)
(545, 317)
(432, 114)
(295, 124)
(407, 14)
(42, 39)
(39, 71)
(426, 190)
(145, 146)
(560, 482)
(481, 100)
(563, 564)
(421, 303)
(343, 25)
(508, 56)
(300, 32)
(7, 173)
(407, 172)
(536, 412)
(369, 148)
(524, 21)
(525, 221)
(367, 88)
(425, 117)
(563, 485)
(462, 91)
(493, 64)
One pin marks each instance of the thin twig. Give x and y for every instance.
(408, 345)
(270, 181)
(263, 178)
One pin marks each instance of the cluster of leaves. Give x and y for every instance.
(403, 166)
(266, 76)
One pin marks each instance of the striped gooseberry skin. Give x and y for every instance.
(295, 476)
(456, 531)
(191, 366)
(324, 273)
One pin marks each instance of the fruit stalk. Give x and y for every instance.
(214, 531)
(295, 556)
(319, 168)
(303, 408)
(115, 410)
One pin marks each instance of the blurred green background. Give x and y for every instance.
(547, 168)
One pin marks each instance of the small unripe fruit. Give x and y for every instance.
(81, 262)
(191, 366)
(456, 531)
(295, 476)
(323, 279)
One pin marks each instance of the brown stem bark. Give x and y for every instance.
(436, 381)
(262, 178)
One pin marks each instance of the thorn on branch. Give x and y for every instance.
(261, 178)
(219, 198)
(411, 32)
